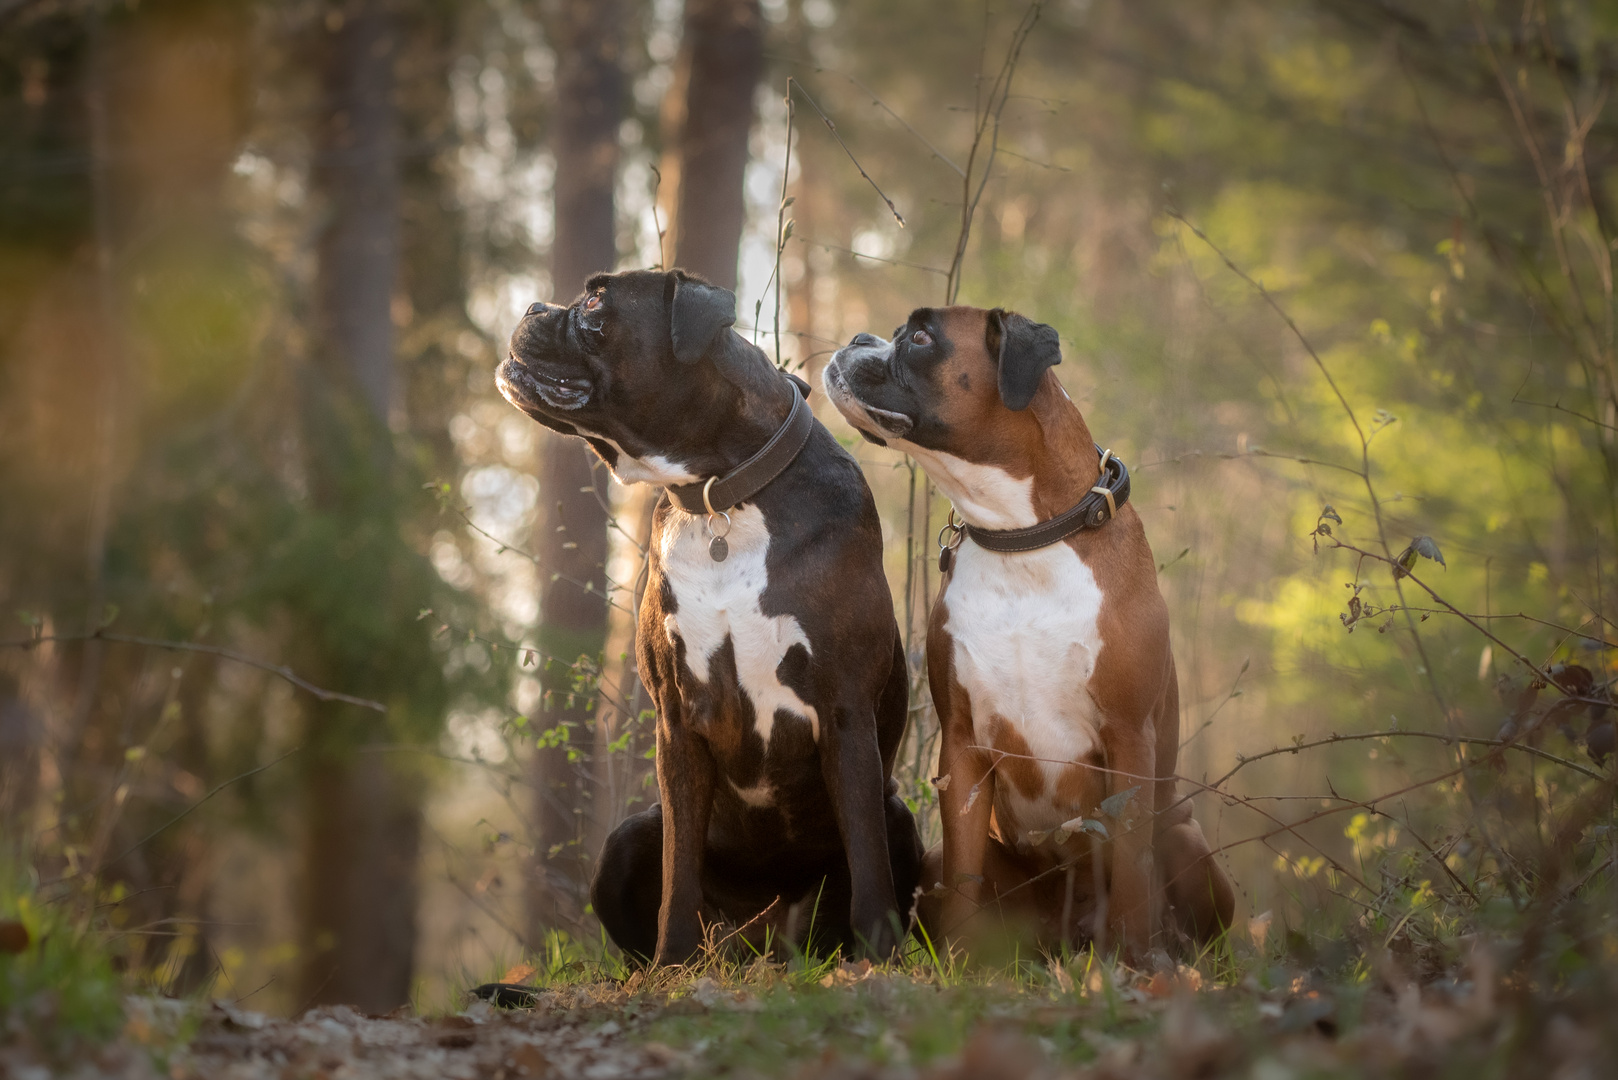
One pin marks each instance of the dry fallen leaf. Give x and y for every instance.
(528, 1060)
(518, 973)
(1166, 984)
(846, 974)
(1258, 928)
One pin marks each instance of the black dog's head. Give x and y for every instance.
(643, 366)
(956, 380)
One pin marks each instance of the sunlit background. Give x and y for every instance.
(1414, 329)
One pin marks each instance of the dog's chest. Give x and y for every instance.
(718, 603)
(1026, 638)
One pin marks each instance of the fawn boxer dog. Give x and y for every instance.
(1048, 649)
(766, 638)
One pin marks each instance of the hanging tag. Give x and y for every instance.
(718, 546)
(946, 556)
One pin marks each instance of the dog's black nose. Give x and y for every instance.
(866, 339)
(537, 306)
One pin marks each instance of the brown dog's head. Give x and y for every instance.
(952, 388)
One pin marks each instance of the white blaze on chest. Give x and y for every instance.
(716, 600)
(1026, 636)
(986, 495)
(651, 469)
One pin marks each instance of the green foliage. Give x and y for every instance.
(60, 988)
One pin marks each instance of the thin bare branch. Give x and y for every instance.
(793, 84)
(212, 650)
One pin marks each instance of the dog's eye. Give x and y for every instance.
(921, 337)
(592, 302)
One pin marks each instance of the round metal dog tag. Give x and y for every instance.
(718, 549)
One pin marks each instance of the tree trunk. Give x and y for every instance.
(570, 543)
(362, 818)
(724, 40)
(706, 117)
(358, 176)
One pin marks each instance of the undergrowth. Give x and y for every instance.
(58, 983)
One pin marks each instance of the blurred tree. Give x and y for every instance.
(722, 60)
(362, 813)
(707, 117)
(570, 531)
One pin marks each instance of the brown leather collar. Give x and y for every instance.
(754, 474)
(1099, 506)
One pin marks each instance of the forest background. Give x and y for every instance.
(1333, 278)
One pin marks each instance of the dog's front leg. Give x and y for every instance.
(966, 804)
(1130, 763)
(685, 779)
(851, 764)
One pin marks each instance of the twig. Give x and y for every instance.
(1279, 310)
(1458, 613)
(1228, 697)
(1244, 760)
(874, 258)
(879, 103)
(1559, 407)
(182, 815)
(987, 120)
(212, 650)
(1523, 615)
(794, 84)
(608, 588)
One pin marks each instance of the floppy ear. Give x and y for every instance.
(697, 316)
(1026, 349)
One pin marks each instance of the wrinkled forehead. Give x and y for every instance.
(965, 329)
(633, 286)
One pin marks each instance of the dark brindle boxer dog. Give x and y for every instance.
(1048, 650)
(766, 638)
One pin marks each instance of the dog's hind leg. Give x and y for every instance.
(628, 885)
(1199, 894)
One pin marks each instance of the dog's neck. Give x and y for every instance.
(1066, 466)
(759, 401)
(1055, 466)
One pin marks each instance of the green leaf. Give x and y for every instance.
(1328, 513)
(1091, 825)
(1114, 805)
(1420, 547)
(1428, 550)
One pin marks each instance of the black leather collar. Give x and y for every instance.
(1099, 506)
(754, 474)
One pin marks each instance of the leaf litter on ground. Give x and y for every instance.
(1079, 1018)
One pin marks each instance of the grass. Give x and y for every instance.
(1499, 995)
(60, 988)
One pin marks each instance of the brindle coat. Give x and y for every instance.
(796, 805)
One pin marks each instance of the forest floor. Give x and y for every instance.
(853, 1021)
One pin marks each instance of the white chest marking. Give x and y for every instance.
(651, 469)
(716, 600)
(1026, 639)
(986, 495)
